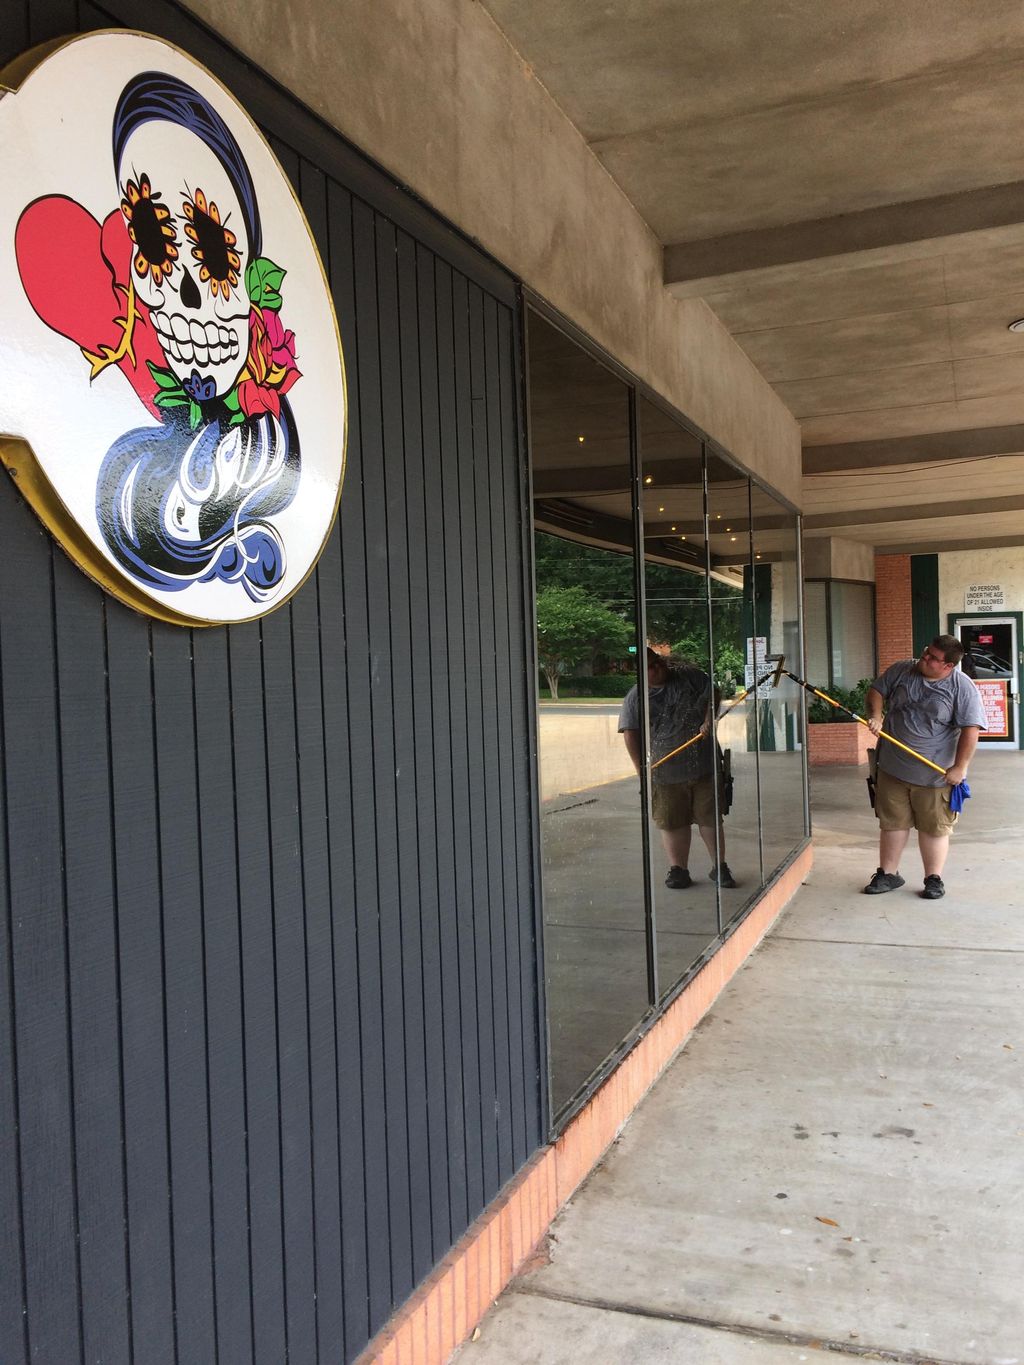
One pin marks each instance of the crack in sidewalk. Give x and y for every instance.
(854, 1350)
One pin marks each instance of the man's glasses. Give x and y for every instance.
(934, 658)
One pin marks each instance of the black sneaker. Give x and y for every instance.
(882, 882)
(933, 888)
(723, 876)
(678, 878)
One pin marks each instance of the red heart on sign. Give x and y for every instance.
(70, 268)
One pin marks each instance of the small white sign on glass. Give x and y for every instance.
(756, 665)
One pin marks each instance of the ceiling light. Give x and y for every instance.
(1017, 326)
(581, 439)
(649, 479)
(733, 538)
(661, 509)
(673, 528)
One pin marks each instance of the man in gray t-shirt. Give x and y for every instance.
(680, 707)
(936, 710)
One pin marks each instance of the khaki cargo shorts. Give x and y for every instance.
(902, 805)
(677, 805)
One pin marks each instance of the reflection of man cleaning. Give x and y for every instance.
(680, 705)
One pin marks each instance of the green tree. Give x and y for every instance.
(676, 605)
(573, 625)
(728, 660)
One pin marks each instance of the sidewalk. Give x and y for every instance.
(834, 1161)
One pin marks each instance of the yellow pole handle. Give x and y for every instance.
(881, 734)
(665, 758)
(700, 733)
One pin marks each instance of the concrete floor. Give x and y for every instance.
(834, 1160)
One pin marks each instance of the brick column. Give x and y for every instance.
(894, 622)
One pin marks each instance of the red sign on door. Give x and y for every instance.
(986, 639)
(996, 701)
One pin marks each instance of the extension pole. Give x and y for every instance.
(861, 721)
(775, 674)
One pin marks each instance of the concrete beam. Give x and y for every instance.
(837, 557)
(922, 511)
(933, 546)
(940, 445)
(715, 259)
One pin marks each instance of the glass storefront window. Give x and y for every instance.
(839, 629)
(776, 599)
(816, 645)
(592, 853)
(671, 788)
(682, 759)
(732, 630)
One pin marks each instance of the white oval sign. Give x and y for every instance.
(172, 372)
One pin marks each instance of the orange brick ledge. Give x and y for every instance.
(451, 1301)
(838, 742)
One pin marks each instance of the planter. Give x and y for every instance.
(842, 742)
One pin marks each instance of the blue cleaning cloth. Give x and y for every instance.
(958, 796)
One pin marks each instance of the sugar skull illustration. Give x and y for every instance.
(206, 497)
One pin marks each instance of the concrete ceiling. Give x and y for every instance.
(844, 184)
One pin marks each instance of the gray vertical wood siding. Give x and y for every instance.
(268, 973)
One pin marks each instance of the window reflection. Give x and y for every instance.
(776, 599)
(634, 897)
(591, 829)
(839, 632)
(684, 806)
(738, 666)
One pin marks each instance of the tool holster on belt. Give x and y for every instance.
(872, 775)
(725, 780)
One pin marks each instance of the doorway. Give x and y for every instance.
(992, 660)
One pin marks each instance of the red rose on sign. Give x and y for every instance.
(270, 369)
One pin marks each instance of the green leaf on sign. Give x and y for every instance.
(195, 415)
(164, 378)
(172, 400)
(263, 282)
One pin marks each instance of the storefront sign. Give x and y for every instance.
(996, 701)
(984, 597)
(172, 372)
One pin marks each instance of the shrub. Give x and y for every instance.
(854, 699)
(600, 685)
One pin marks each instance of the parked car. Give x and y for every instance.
(979, 662)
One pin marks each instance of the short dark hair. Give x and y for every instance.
(949, 647)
